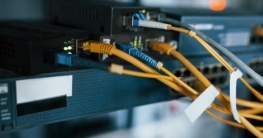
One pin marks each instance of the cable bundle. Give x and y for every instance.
(174, 82)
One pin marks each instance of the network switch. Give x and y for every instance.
(107, 20)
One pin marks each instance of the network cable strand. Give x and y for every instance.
(119, 69)
(140, 55)
(104, 48)
(255, 130)
(243, 113)
(159, 25)
(220, 48)
(166, 48)
(169, 50)
(99, 47)
(258, 128)
(221, 60)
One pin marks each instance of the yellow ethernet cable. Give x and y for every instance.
(119, 69)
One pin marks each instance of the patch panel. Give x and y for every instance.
(216, 74)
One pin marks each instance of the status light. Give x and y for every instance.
(217, 5)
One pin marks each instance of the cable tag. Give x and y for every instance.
(233, 79)
(116, 68)
(201, 103)
(159, 65)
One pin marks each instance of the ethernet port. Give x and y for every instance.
(215, 69)
(213, 81)
(178, 73)
(257, 64)
(186, 73)
(257, 35)
(206, 71)
(221, 80)
(253, 65)
(260, 66)
(257, 39)
(223, 69)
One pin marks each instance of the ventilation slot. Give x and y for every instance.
(6, 50)
(79, 12)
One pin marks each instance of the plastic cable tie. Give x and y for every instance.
(191, 33)
(232, 90)
(201, 103)
(116, 68)
(159, 65)
(130, 49)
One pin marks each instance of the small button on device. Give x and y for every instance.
(7, 127)
(3, 88)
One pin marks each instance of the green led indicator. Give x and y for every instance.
(134, 44)
(69, 48)
(65, 48)
(139, 44)
(143, 11)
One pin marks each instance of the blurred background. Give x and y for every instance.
(159, 120)
(39, 9)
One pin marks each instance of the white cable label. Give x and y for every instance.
(233, 84)
(153, 24)
(201, 103)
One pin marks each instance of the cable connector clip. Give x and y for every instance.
(64, 58)
(159, 65)
(192, 33)
(115, 68)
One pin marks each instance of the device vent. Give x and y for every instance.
(79, 12)
(6, 49)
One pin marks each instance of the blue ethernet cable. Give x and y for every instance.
(127, 48)
(73, 60)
